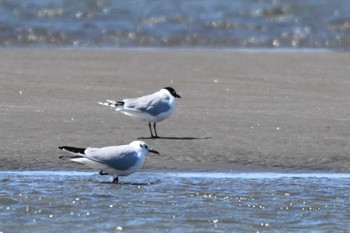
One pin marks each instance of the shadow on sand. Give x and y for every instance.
(176, 138)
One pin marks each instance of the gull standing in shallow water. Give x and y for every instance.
(152, 108)
(112, 160)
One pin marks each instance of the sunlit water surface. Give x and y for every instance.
(174, 202)
(176, 24)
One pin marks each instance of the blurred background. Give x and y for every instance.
(234, 24)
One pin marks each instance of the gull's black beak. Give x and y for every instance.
(153, 151)
(177, 96)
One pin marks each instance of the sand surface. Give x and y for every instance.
(240, 111)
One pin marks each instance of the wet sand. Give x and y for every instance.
(240, 111)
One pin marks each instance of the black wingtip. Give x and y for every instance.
(119, 103)
(72, 149)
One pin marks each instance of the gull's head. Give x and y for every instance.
(172, 92)
(140, 145)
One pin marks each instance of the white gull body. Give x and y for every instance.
(112, 160)
(151, 108)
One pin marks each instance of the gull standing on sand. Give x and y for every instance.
(152, 108)
(112, 160)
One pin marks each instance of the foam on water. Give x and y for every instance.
(259, 175)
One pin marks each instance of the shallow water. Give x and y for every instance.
(174, 202)
(181, 23)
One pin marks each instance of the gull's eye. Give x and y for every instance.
(146, 147)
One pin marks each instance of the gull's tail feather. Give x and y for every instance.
(112, 103)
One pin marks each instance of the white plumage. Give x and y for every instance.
(151, 108)
(112, 160)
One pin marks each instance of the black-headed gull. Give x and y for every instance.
(112, 160)
(151, 108)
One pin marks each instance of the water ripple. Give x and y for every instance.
(223, 202)
(183, 23)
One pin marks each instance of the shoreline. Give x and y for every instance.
(240, 111)
(186, 49)
(189, 174)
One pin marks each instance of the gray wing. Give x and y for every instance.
(117, 157)
(153, 104)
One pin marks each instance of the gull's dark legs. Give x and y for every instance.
(155, 129)
(150, 129)
(102, 173)
(115, 180)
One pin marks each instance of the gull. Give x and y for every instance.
(151, 108)
(111, 160)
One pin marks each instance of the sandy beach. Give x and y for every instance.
(240, 111)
